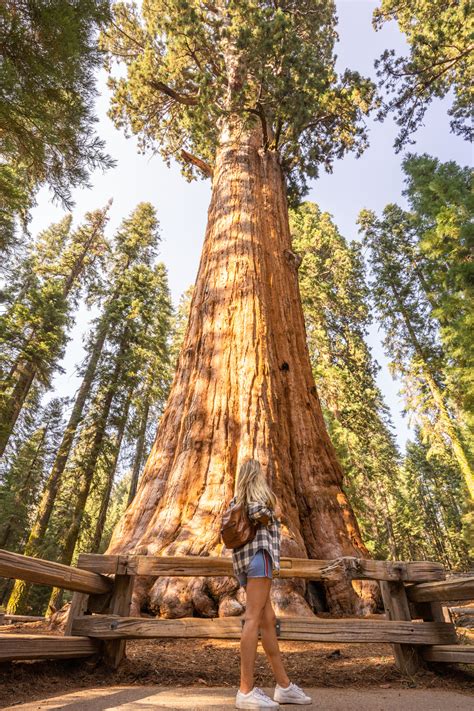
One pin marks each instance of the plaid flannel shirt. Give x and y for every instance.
(267, 537)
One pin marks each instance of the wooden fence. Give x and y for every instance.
(98, 622)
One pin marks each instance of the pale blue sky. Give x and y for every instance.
(370, 181)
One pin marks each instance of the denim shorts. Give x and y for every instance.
(260, 567)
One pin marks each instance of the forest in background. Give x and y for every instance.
(69, 467)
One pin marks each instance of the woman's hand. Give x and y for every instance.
(277, 511)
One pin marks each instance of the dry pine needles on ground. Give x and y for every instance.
(188, 662)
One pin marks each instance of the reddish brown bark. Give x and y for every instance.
(243, 387)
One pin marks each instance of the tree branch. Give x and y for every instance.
(198, 162)
(261, 115)
(186, 99)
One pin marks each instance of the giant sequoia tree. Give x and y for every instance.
(245, 92)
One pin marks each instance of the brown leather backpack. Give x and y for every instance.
(236, 527)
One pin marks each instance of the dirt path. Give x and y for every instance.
(195, 699)
(198, 667)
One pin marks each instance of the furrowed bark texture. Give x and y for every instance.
(243, 387)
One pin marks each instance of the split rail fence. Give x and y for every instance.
(416, 623)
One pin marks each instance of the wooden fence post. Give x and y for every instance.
(114, 651)
(431, 611)
(407, 656)
(77, 609)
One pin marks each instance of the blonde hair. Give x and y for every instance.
(251, 485)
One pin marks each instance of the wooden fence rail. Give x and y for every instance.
(352, 568)
(42, 646)
(456, 589)
(415, 624)
(45, 572)
(294, 628)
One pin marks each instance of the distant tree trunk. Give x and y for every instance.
(459, 450)
(104, 504)
(14, 402)
(86, 473)
(243, 387)
(23, 491)
(139, 449)
(20, 592)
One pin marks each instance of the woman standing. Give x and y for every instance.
(253, 564)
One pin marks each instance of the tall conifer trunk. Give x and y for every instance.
(18, 602)
(243, 387)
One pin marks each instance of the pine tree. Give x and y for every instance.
(429, 520)
(15, 203)
(441, 202)
(127, 253)
(47, 91)
(22, 484)
(110, 471)
(137, 314)
(439, 36)
(135, 245)
(34, 330)
(144, 372)
(50, 491)
(411, 329)
(157, 370)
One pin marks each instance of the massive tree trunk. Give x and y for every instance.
(243, 387)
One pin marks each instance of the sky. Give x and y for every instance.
(371, 181)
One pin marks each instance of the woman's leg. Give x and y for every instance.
(258, 590)
(271, 646)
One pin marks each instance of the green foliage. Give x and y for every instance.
(33, 328)
(23, 475)
(59, 265)
(424, 301)
(49, 54)
(439, 35)
(15, 202)
(425, 257)
(30, 296)
(335, 302)
(127, 385)
(180, 322)
(406, 509)
(133, 366)
(429, 511)
(442, 203)
(194, 67)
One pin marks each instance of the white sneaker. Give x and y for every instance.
(291, 695)
(255, 699)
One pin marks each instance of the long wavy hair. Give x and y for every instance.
(251, 485)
